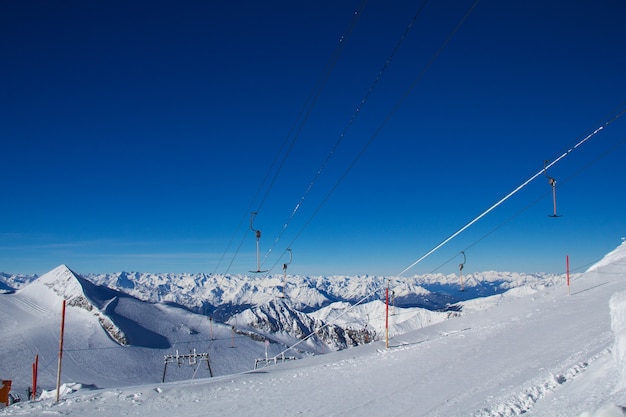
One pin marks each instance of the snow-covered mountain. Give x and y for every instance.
(536, 350)
(263, 307)
(500, 355)
(12, 282)
(212, 294)
(142, 332)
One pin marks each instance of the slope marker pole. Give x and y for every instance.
(33, 395)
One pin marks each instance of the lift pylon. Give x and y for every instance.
(552, 183)
(258, 237)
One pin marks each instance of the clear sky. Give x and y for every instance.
(140, 135)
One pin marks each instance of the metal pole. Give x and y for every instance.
(164, 370)
(60, 351)
(554, 195)
(258, 258)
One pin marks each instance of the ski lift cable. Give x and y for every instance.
(311, 101)
(482, 215)
(604, 154)
(385, 121)
(301, 120)
(537, 200)
(524, 184)
(350, 122)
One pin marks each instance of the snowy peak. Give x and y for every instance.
(280, 320)
(65, 284)
(61, 281)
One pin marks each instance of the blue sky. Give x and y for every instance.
(139, 136)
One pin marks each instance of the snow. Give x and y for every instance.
(537, 350)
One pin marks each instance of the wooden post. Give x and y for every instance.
(60, 351)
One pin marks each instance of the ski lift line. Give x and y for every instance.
(384, 123)
(348, 125)
(306, 110)
(230, 242)
(565, 181)
(524, 184)
(508, 220)
(313, 98)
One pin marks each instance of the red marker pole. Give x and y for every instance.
(35, 370)
(567, 271)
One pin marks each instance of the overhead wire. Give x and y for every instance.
(362, 151)
(567, 152)
(314, 96)
(515, 191)
(294, 133)
(343, 133)
(386, 120)
(518, 213)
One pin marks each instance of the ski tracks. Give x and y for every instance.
(524, 401)
(27, 305)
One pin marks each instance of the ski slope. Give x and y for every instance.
(537, 352)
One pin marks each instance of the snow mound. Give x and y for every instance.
(616, 256)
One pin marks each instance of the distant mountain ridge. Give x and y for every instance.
(134, 319)
(213, 294)
(259, 306)
(10, 283)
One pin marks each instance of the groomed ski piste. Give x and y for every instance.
(553, 351)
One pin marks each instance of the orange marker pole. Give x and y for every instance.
(567, 271)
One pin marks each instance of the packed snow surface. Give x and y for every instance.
(540, 351)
